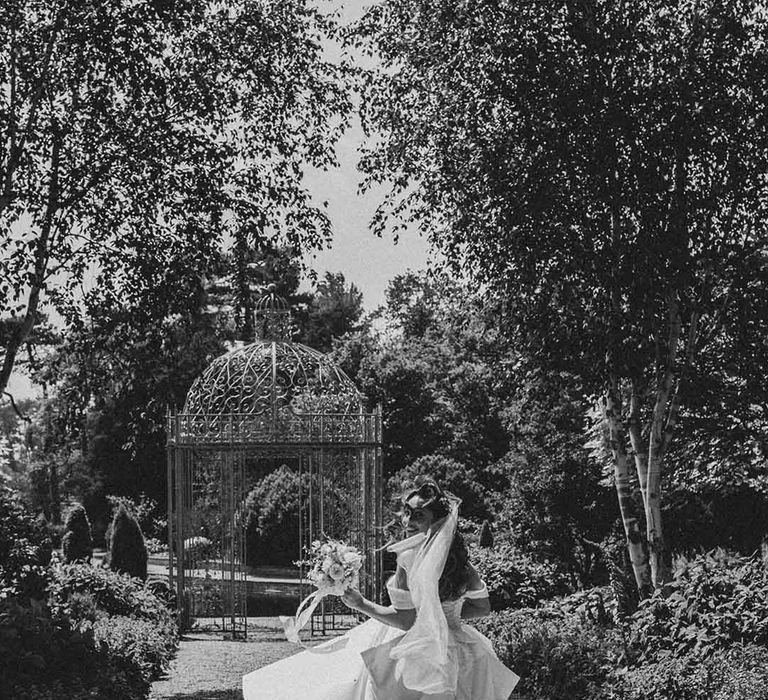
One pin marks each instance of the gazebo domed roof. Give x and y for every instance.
(269, 376)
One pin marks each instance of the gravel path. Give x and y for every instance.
(210, 668)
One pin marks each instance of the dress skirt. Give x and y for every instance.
(357, 666)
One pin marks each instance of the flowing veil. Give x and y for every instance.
(421, 655)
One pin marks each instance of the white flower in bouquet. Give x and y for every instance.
(334, 566)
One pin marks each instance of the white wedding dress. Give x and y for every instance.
(360, 665)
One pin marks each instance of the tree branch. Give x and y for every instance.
(16, 409)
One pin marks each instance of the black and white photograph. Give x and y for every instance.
(384, 350)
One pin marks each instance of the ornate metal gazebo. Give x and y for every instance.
(268, 404)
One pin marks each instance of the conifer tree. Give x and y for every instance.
(128, 553)
(486, 535)
(77, 543)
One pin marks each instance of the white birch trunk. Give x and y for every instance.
(622, 474)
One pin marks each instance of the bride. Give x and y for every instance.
(418, 648)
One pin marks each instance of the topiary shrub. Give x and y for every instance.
(147, 513)
(127, 552)
(556, 655)
(714, 601)
(486, 535)
(77, 543)
(25, 550)
(514, 579)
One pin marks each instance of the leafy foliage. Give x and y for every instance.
(25, 550)
(127, 553)
(77, 543)
(571, 159)
(335, 310)
(149, 644)
(435, 371)
(113, 593)
(43, 660)
(451, 475)
(514, 579)
(145, 511)
(486, 535)
(272, 511)
(714, 601)
(555, 654)
(741, 671)
(171, 94)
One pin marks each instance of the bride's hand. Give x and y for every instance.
(352, 598)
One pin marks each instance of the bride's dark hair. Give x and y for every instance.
(455, 577)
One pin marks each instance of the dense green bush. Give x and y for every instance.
(77, 543)
(122, 612)
(149, 644)
(111, 592)
(127, 552)
(715, 600)
(272, 518)
(514, 579)
(272, 513)
(25, 549)
(43, 660)
(557, 655)
(737, 673)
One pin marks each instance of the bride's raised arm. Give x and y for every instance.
(401, 614)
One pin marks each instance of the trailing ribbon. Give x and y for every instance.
(293, 625)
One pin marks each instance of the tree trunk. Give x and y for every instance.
(622, 474)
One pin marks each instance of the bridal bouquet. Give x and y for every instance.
(333, 567)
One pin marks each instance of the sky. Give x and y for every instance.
(366, 260)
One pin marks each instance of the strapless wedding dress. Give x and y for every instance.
(357, 665)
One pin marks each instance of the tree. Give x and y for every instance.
(434, 365)
(599, 168)
(127, 552)
(334, 311)
(77, 544)
(451, 475)
(144, 133)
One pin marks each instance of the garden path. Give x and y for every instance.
(210, 668)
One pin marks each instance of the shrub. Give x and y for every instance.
(41, 660)
(556, 655)
(25, 549)
(486, 535)
(77, 543)
(199, 548)
(123, 613)
(127, 553)
(112, 592)
(739, 672)
(516, 580)
(714, 601)
(149, 644)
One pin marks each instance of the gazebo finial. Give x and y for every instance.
(273, 319)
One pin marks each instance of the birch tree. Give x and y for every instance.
(148, 131)
(601, 167)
